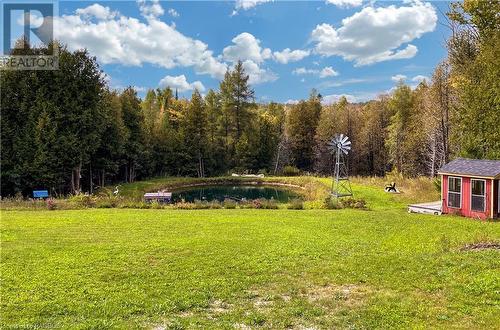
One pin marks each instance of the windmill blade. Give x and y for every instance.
(345, 138)
(341, 136)
(344, 151)
(346, 147)
(348, 143)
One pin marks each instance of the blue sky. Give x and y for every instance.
(340, 47)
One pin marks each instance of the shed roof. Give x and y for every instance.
(472, 167)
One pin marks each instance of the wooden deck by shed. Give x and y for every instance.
(426, 208)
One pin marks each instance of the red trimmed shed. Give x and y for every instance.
(471, 187)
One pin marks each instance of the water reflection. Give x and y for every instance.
(237, 193)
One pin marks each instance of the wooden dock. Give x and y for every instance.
(160, 197)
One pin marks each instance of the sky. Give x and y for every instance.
(354, 48)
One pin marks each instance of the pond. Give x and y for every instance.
(234, 192)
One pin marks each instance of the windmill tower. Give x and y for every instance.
(340, 146)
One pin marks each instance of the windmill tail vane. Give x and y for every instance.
(340, 146)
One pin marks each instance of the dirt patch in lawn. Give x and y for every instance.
(350, 295)
(219, 307)
(481, 246)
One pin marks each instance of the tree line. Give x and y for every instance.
(67, 131)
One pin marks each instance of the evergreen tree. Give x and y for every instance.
(301, 122)
(108, 158)
(195, 133)
(51, 122)
(474, 54)
(133, 120)
(237, 104)
(400, 106)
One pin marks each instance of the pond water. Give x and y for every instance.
(234, 192)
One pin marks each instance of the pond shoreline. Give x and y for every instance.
(241, 191)
(235, 182)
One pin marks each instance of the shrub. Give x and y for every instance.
(269, 204)
(261, 203)
(247, 204)
(296, 204)
(215, 205)
(331, 203)
(106, 202)
(51, 204)
(184, 206)
(290, 171)
(229, 204)
(83, 200)
(155, 205)
(135, 205)
(201, 205)
(437, 183)
(352, 203)
(143, 205)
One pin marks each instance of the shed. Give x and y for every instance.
(160, 197)
(470, 187)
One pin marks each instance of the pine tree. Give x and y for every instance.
(133, 120)
(302, 120)
(195, 134)
(237, 104)
(400, 105)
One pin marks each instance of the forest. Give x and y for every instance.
(67, 131)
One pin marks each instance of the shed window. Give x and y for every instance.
(478, 189)
(454, 192)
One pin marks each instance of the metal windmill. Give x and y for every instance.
(340, 146)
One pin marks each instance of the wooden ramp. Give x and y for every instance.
(426, 208)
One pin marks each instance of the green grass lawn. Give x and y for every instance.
(130, 268)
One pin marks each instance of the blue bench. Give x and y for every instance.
(40, 194)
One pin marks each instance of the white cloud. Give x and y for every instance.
(418, 79)
(323, 73)
(34, 16)
(248, 4)
(328, 72)
(376, 34)
(97, 11)
(398, 77)
(290, 101)
(350, 81)
(246, 47)
(172, 12)
(287, 55)
(333, 98)
(181, 84)
(258, 75)
(140, 89)
(150, 9)
(128, 41)
(345, 3)
(302, 71)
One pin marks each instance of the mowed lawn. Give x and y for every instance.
(321, 269)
